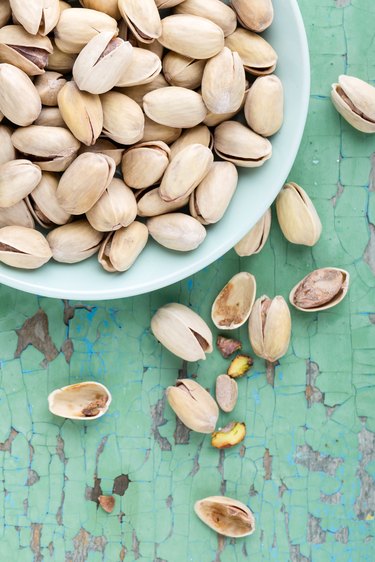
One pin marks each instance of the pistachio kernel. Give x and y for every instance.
(230, 435)
(240, 365)
(227, 346)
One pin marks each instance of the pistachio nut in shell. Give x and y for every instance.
(43, 204)
(193, 405)
(5, 12)
(233, 304)
(210, 200)
(27, 52)
(177, 231)
(270, 327)
(182, 331)
(105, 146)
(144, 164)
(191, 36)
(229, 436)
(116, 208)
(185, 172)
(48, 86)
(58, 61)
(121, 248)
(253, 242)
(264, 105)
(7, 150)
(241, 146)
(36, 16)
(163, 4)
(137, 93)
(50, 117)
(123, 118)
(150, 204)
(16, 215)
(23, 247)
(155, 132)
(144, 67)
(82, 401)
(200, 134)
(183, 71)
(175, 107)
(226, 516)
(354, 99)
(214, 10)
(297, 216)
(226, 392)
(74, 242)
(223, 82)
(258, 56)
(15, 88)
(321, 289)
(256, 15)
(83, 183)
(18, 178)
(109, 7)
(142, 18)
(82, 113)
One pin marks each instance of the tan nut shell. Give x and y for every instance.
(163, 4)
(183, 71)
(354, 99)
(322, 289)
(253, 242)
(177, 231)
(215, 10)
(137, 93)
(257, 55)
(116, 208)
(150, 204)
(70, 401)
(155, 132)
(264, 105)
(144, 164)
(241, 146)
(142, 17)
(234, 303)
(36, 16)
(121, 248)
(24, 50)
(58, 61)
(15, 88)
(50, 117)
(226, 516)
(105, 146)
(123, 118)
(256, 15)
(74, 242)
(16, 215)
(23, 247)
(5, 12)
(43, 203)
(18, 178)
(193, 405)
(270, 330)
(226, 392)
(175, 107)
(109, 7)
(7, 151)
(200, 134)
(144, 67)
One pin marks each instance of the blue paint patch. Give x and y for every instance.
(190, 284)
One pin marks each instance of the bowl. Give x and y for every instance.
(158, 267)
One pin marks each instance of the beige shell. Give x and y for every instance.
(82, 401)
(48, 86)
(123, 118)
(200, 134)
(257, 55)
(320, 290)
(142, 17)
(18, 178)
(150, 204)
(354, 99)
(177, 231)
(50, 117)
(7, 151)
(144, 164)
(144, 67)
(16, 215)
(175, 107)
(121, 248)
(23, 247)
(226, 516)
(5, 12)
(183, 71)
(163, 4)
(241, 146)
(233, 304)
(43, 204)
(105, 146)
(74, 242)
(256, 15)
(58, 61)
(270, 327)
(15, 88)
(137, 93)
(264, 106)
(214, 10)
(36, 16)
(193, 405)
(254, 241)
(155, 132)
(116, 208)
(109, 7)
(226, 391)
(20, 48)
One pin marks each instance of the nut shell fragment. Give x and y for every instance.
(107, 503)
(82, 401)
(227, 346)
(320, 290)
(226, 516)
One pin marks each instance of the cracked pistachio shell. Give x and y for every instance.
(156, 132)
(182, 331)
(320, 290)
(257, 55)
(185, 172)
(123, 118)
(253, 242)
(74, 242)
(23, 247)
(117, 207)
(82, 112)
(144, 67)
(264, 106)
(142, 17)
(76, 27)
(270, 327)
(15, 88)
(200, 134)
(36, 16)
(121, 248)
(224, 83)
(193, 405)
(354, 99)
(82, 401)
(297, 216)
(177, 231)
(84, 182)
(16, 215)
(48, 86)
(5, 12)
(191, 36)
(183, 71)
(233, 304)
(109, 7)
(213, 10)
(137, 93)
(241, 146)
(144, 164)
(43, 204)
(59, 61)
(17, 179)
(52, 148)
(255, 15)
(211, 198)
(226, 516)
(175, 107)
(163, 4)
(27, 52)
(101, 62)
(50, 117)
(226, 392)
(105, 146)
(150, 204)
(7, 150)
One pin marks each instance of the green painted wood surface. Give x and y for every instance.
(307, 467)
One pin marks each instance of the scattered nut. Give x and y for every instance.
(226, 516)
(226, 392)
(227, 346)
(230, 435)
(107, 503)
(240, 365)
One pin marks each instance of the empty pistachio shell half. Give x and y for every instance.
(182, 331)
(122, 247)
(270, 327)
(354, 99)
(257, 55)
(142, 17)
(264, 105)
(320, 290)
(233, 304)
(229, 436)
(226, 516)
(82, 401)
(214, 10)
(193, 405)
(297, 216)
(23, 247)
(256, 15)
(177, 231)
(241, 146)
(253, 242)
(226, 392)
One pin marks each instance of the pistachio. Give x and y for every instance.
(23, 247)
(16, 215)
(5, 12)
(183, 71)
(226, 516)
(239, 366)
(116, 208)
(27, 52)
(229, 436)
(354, 99)
(37, 16)
(142, 17)
(59, 61)
(253, 242)
(144, 67)
(191, 36)
(17, 179)
(43, 204)
(150, 204)
(105, 146)
(137, 93)
(256, 15)
(123, 118)
(109, 7)
(297, 216)
(270, 327)
(74, 242)
(193, 405)
(144, 164)
(320, 290)
(50, 117)
(223, 82)
(175, 107)
(257, 55)
(227, 346)
(163, 4)
(48, 86)
(177, 231)
(214, 119)
(121, 248)
(213, 10)
(226, 392)
(182, 331)
(7, 151)
(264, 106)
(233, 304)
(107, 503)
(82, 401)
(241, 146)
(196, 135)
(15, 88)
(64, 6)
(155, 132)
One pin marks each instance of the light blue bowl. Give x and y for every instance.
(158, 267)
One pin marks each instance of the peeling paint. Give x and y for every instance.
(267, 465)
(316, 462)
(369, 254)
(121, 484)
(158, 420)
(35, 332)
